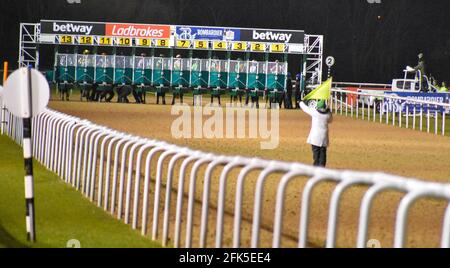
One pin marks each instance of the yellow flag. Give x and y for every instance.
(323, 92)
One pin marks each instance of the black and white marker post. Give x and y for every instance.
(28, 158)
(26, 94)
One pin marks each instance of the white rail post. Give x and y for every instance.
(108, 169)
(363, 110)
(407, 117)
(137, 187)
(305, 208)
(394, 112)
(446, 230)
(155, 148)
(364, 215)
(101, 174)
(108, 134)
(170, 171)
(335, 204)
(117, 147)
(140, 143)
(254, 165)
(381, 111)
(357, 106)
(351, 107)
(180, 193)
(66, 146)
(206, 194)
(402, 217)
(443, 123)
(436, 123)
(66, 136)
(336, 102)
(92, 159)
(191, 199)
(70, 151)
(421, 118)
(171, 150)
(61, 146)
(280, 199)
(125, 152)
(414, 118)
(346, 104)
(78, 163)
(48, 143)
(257, 205)
(88, 158)
(428, 119)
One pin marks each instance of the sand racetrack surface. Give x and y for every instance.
(355, 145)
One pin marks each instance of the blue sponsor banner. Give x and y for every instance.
(205, 33)
(393, 105)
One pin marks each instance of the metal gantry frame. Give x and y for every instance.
(313, 64)
(29, 44)
(30, 38)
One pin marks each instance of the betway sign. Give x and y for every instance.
(273, 36)
(72, 28)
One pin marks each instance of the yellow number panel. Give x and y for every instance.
(278, 48)
(258, 47)
(86, 40)
(201, 45)
(124, 41)
(240, 46)
(220, 45)
(144, 42)
(105, 41)
(66, 39)
(162, 43)
(184, 44)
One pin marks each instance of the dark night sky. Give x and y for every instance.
(367, 47)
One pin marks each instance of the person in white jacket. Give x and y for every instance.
(319, 137)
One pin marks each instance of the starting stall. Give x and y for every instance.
(209, 60)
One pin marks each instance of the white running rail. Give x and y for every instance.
(415, 114)
(106, 166)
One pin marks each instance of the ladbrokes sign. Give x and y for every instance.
(138, 30)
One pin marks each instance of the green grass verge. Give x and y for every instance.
(62, 213)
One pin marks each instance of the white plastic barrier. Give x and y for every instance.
(369, 106)
(100, 162)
